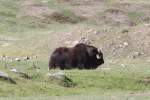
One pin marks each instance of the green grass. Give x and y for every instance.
(89, 82)
(29, 35)
(83, 97)
(136, 17)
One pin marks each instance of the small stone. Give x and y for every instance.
(14, 70)
(85, 40)
(120, 46)
(17, 59)
(35, 56)
(26, 58)
(125, 44)
(125, 31)
(96, 32)
(137, 54)
(90, 30)
(61, 79)
(21, 74)
(57, 75)
(5, 76)
(123, 65)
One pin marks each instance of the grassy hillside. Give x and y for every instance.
(34, 28)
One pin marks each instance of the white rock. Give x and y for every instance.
(26, 58)
(17, 59)
(3, 74)
(6, 77)
(90, 30)
(14, 70)
(57, 75)
(125, 44)
(123, 65)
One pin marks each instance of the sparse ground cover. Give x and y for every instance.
(36, 27)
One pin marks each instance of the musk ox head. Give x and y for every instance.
(95, 57)
(99, 58)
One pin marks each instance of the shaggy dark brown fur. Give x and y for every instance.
(80, 56)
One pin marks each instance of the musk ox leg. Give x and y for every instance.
(81, 66)
(68, 65)
(62, 65)
(51, 65)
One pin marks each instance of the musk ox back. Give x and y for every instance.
(80, 56)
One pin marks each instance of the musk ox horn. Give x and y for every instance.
(99, 50)
(98, 56)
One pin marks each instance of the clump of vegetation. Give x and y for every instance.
(63, 81)
(64, 16)
(71, 17)
(136, 17)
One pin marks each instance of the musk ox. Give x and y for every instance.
(80, 56)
